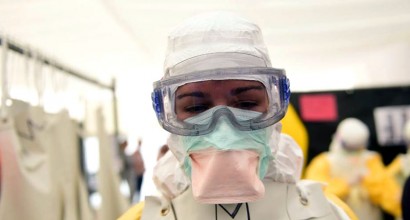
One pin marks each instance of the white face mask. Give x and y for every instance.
(227, 165)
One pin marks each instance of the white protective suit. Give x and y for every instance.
(224, 40)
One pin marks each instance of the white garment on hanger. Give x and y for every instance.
(41, 168)
(27, 187)
(108, 181)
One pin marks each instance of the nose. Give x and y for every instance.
(219, 95)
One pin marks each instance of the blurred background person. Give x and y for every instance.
(355, 174)
(138, 166)
(133, 169)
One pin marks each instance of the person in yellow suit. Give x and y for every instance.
(222, 102)
(356, 174)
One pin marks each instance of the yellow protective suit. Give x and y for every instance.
(399, 168)
(134, 213)
(375, 188)
(293, 126)
(355, 174)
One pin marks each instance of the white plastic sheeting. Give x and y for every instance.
(123, 38)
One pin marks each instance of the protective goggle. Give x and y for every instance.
(274, 83)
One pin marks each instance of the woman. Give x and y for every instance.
(222, 102)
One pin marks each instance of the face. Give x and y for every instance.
(194, 98)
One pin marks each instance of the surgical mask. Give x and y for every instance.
(227, 165)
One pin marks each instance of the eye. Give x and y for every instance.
(196, 109)
(247, 105)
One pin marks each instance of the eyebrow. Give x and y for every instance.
(236, 91)
(194, 94)
(239, 90)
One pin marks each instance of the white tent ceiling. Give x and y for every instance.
(323, 44)
(120, 38)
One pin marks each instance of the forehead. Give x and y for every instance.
(217, 85)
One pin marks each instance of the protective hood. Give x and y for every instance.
(351, 134)
(215, 40)
(288, 163)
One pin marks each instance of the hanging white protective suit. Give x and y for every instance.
(41, 168)
(65, 161)
(108, 180)
(28, 191)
